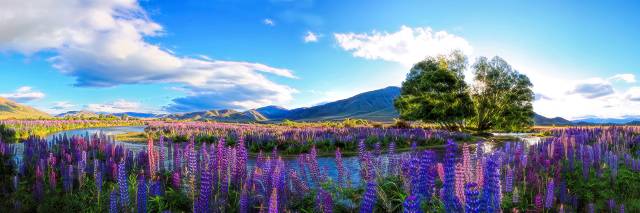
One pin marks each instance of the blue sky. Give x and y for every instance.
(173, 56)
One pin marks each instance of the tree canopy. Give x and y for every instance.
(502, 96)
(435, 92)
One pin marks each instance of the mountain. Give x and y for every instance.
(373, 105)
(544, 121)
(137, 114)
(273, 112)
(13, 110)
(78, 114)
(596, 120)
(224, 115)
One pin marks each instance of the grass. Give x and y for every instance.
(133, 137)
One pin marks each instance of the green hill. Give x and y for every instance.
(13, 110)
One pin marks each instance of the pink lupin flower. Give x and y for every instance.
(440, 169)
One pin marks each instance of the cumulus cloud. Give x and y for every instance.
(269, 22)
(406, 46)
(101, 44)
(23, 94)
(633, 94)
(593, 88)
(310, 37)
(118, 106)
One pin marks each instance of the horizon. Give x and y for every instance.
(147, 56)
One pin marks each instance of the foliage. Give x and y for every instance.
(502, 96)
(435, 92)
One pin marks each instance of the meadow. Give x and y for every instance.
(215, 167)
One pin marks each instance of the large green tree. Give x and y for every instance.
(502, 96)
(435, 92)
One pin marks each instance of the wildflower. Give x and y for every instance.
(142, 194)
(273, 201)
(472, 197)
(550, 195)
(411, 204)
(122, 184)
(451, 202)
(113, 202)
(369, 199)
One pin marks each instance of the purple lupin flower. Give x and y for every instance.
(472, 198)
(122, 185)
(427, 176)
(369, 199)
(38, 187)
(612, 205)
(550, 195)
(244, 200)
(411, 204)
(142, 194)
(490, 201)
(205, 191)
(113, 202)
(97, 175)
(509, 180)
(325, 201)
(451, 202)
(175, 180)
(538, 202)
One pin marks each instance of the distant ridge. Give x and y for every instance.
(12, 110)
(374, 105)
(544, 121)
(224, 115)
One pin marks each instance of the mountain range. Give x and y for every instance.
(376, 105)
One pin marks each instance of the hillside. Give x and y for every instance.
(544, 121)
(373, 105)
(224, 115)
(13, 110)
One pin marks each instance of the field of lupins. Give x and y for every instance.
(210, 168)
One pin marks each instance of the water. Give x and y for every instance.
(327, 163)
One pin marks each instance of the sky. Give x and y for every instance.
(180, 56)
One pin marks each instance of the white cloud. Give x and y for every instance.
(101, 44)
(62, 105)
(633, 94)
(593, 97)
(629, 78)
(310, 37)
(118, 106)
(269, 22)
(24, 94)
(406, 46)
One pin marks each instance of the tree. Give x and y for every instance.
(435, 92)
(502, 96)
